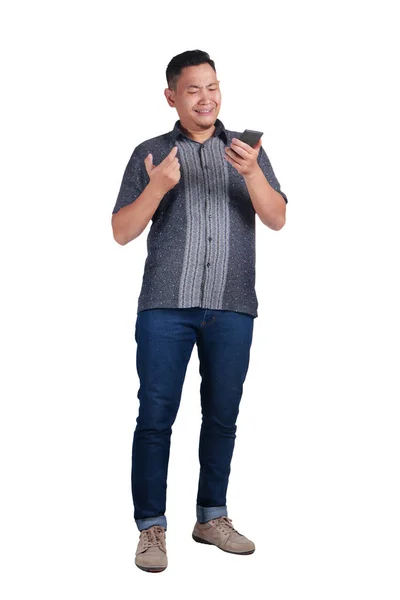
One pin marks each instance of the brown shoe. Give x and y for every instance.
(151, 553)
(220, 532)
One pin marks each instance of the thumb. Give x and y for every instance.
(148, 162)
(258, 145)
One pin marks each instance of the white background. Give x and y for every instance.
(315, 474)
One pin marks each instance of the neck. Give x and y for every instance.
(199, 136)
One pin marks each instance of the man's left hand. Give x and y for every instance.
(243, 157)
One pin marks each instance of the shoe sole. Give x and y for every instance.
(151, 569)
(201, 541)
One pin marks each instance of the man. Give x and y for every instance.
(201, 187)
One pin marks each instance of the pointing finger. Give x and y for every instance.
(170, 157)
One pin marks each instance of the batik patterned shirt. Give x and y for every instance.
(201, 243)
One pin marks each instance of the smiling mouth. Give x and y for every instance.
(204, 112)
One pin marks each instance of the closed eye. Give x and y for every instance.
(211, 90)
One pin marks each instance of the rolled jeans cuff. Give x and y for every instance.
(146, 523)
(206, 513)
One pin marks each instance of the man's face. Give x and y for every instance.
(197, 98)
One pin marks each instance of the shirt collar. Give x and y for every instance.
(219, 130)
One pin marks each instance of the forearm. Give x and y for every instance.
(129, 222)
(267, 202)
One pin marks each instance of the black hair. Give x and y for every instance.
(190, 58)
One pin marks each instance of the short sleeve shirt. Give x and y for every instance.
(201, 243)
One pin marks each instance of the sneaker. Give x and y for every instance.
(151, 553)
(221, 533)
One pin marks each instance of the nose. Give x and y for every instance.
(204, 95)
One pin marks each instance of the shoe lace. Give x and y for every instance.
(224, 524)
(154, 536)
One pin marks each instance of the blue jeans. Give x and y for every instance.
(165, 338)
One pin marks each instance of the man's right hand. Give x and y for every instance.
(167, 174)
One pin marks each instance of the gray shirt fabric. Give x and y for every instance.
(201, 244)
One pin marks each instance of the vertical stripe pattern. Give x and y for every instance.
(201, 243)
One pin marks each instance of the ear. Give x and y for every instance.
(169, 94)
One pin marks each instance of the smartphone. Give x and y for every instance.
(250, 137)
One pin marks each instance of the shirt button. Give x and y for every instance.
(209, 239)
(208, 264)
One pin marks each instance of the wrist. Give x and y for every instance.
(155, 190)
(253, 174)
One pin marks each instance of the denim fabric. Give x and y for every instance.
(146, 523)
(205, 514)
(165, 338)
